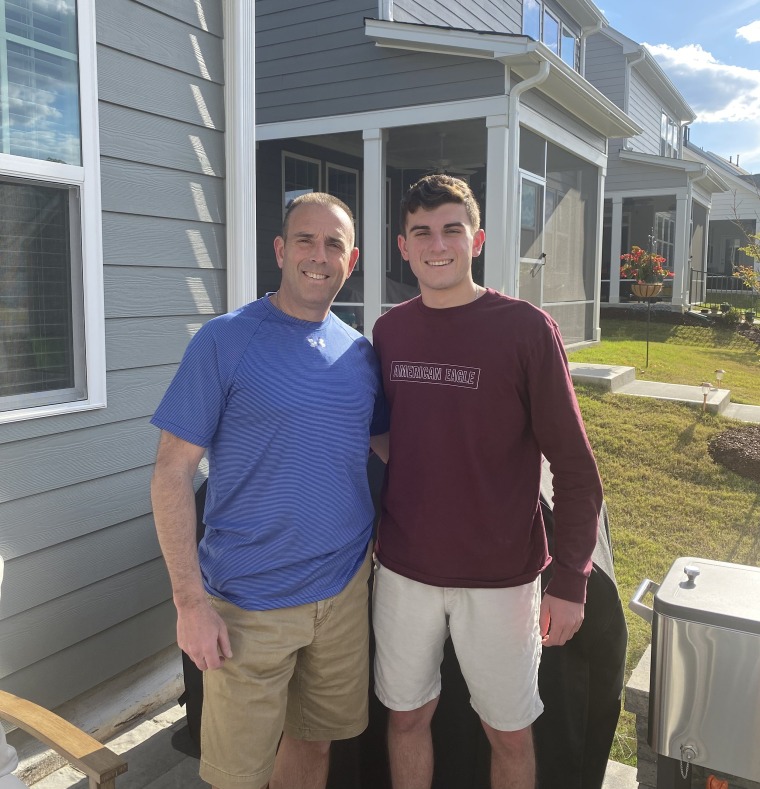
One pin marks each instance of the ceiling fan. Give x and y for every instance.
(444, 164)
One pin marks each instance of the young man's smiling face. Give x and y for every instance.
(316, 258)
(440, 244)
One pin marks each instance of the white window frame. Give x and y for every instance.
(357, 213)
(311, 160)
(90, 350)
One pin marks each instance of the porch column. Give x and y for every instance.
(497, 266)
(597, 331)
(616, 249)
(373, 229)
(682, 250)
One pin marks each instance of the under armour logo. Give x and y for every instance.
(320, 343)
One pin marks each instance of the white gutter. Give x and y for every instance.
(628, 68)
(513, 166)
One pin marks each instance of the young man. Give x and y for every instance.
(273, 604)
(478, 389)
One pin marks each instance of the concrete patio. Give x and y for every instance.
(155, 764)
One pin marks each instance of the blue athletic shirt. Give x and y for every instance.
(285, 408)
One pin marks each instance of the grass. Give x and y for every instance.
(666, 497)
(680, 355)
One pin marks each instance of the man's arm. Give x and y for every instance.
(201, 633)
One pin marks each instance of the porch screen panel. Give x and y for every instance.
(570, 231)
(36, 301)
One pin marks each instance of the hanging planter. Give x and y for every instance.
(646, 290)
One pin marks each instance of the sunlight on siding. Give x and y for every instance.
(200, 152)
(202, 107)
(199, 57)
(201, 15)
(199, 248)
(199, 293)
(201, 206)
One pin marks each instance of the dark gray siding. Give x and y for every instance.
(86, 594)
(605, 68)
(314, 60)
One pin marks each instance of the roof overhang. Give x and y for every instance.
(522, 55)
(709, 180)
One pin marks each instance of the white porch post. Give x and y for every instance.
(616, 249)
(240, 182)
(681, 250)
(497, 205)
(597, 331)
(373, 229)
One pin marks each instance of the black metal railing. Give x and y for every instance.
(714, 291)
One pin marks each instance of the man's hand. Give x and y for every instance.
(559, 620)
(202, 635)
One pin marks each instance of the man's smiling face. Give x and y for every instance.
(440, 244)
(316, 258)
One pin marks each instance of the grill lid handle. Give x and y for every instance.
(692, 572)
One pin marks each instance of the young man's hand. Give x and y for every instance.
(202, 635)
(559, 620)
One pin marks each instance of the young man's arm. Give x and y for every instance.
(201, 633)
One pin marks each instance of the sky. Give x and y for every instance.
(711, 53)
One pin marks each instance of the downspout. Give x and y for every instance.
(587, 32)
(628, 67)
(385, 10)
(513, 163)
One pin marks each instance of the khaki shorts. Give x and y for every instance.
(304, 670)
(496, 637)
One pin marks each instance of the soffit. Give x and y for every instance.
(522, 56)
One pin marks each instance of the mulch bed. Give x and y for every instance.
(738, 449)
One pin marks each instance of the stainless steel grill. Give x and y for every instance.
(704, 699)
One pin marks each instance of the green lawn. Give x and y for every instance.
(680, 355)
(666, 497)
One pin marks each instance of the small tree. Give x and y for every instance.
(749, 275)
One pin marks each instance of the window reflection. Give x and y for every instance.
(39, 100)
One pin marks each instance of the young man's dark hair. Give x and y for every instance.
(434, 190)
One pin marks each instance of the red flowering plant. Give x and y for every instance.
(643, 266)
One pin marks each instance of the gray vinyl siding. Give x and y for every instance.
(605, 68)
(646, 109)
(499, 17)
(86, 594)
(632, 176)
(314, 60)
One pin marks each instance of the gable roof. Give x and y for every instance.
(640, 58)
(522, 55)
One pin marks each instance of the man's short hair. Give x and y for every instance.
(434, 190)
(315, 198)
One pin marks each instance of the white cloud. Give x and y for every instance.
(750, 32)
(717, 92)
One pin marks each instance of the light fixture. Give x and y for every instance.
(719, 375)
(706, 387)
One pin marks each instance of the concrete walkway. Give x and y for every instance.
(622, 380)
(155, 764)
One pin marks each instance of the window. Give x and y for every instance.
(52, 357)
(569, 48)
(669, 137)
(542, 25)
(300, 175)
(532, 19)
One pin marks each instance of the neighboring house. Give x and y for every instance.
(734, 215)
(113, 235)
(361, 106)
(653, 196)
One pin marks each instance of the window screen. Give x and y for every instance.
(36, 292)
